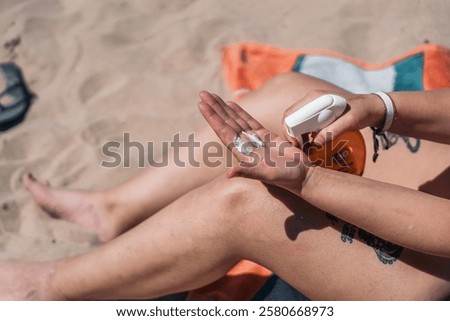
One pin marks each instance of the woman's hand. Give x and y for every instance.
(274, 161)
(362, 111)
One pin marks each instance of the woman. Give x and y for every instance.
(174, 229)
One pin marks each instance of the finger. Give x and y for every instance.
(255, 126)
(322, 136)
(208, 98)
(293, 140)
(244, 170)
(292, 109)
(251, 167)
(263, 134)
(223, 130)
(336, 128)
(234, 115)
(219, 109)
(299, 104)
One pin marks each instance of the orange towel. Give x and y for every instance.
(250, 65)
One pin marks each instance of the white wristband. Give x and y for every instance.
(390, 110)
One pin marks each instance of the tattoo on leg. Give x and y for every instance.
(348, 233)
(412, 148)
(386, 252)
(332, 218)
(393, 138)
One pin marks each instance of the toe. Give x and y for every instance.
(40, 192)
(31, 183)
(28, 180)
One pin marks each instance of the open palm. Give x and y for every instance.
(276, 161)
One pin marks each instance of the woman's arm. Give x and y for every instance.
(413, 219)
(421, 114)
(400, 215)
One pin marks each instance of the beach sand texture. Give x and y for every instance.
(103, 68)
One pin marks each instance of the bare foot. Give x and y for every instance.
(26, 281)
(89, 210)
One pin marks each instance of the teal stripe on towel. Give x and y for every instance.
(409, 74)
(298, 64)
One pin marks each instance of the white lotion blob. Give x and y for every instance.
(245, 147)
(256, 141)
(242, 145)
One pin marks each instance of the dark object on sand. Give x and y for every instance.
(15, 98)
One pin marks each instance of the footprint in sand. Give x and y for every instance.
(129, 31)
(102, 130)
(101, 85)
(6, 174)
(29, 143)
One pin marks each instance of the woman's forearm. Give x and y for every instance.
(400, 215)
(423, 114)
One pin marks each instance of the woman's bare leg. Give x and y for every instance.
(200, 236)
(115, 210)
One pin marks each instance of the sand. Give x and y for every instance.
(102, 68)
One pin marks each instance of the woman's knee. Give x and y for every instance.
(286, 80)
(236, 197)
(236, 191)
(299, 84)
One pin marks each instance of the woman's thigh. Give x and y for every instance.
(326, 258)
(417, 164)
